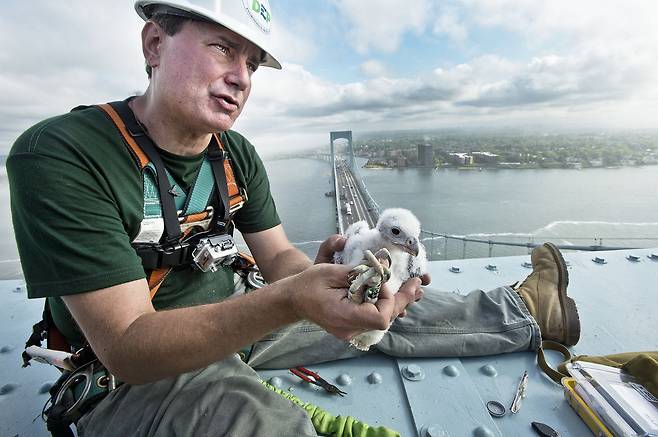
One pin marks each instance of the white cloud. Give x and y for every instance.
(589, 61)
(293, 41)
(374, 68)
(449, 23)
(380, 25)
(584, 22)
(57, 56)
(562, 90)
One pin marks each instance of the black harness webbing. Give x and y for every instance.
(216, 156)
(169, 213)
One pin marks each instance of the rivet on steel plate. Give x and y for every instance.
(8, 388)
(344, 379)
(482, 431)
(489, 370)
(276, 382)
(375, 378)
(413, 372)
(433, 431)
(45, 388)
(451, 370)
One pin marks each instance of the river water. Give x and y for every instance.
(619, 206)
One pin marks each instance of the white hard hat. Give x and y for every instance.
(250, 19)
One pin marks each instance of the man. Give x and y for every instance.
(81, 235)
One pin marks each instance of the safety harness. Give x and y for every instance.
(177, 229)
(167, 238)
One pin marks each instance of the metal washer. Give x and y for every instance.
(496, 409)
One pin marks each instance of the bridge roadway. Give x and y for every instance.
(350, 193)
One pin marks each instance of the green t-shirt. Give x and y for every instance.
(77, 203)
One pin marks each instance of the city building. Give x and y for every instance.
(485, 157)
(425, 155)
(460, 158)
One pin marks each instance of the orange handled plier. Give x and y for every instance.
(314, 378)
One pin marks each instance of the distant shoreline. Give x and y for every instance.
(501, 167)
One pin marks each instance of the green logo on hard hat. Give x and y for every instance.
(259, 10)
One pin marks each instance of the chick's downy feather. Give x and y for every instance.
(397, 230)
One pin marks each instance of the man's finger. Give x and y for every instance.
(326, 251)
(405, 296)
(336, 275)
(426, 279)
(385, 292)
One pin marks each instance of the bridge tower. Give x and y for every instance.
(346, 134)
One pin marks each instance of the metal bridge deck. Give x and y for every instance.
(616, 301)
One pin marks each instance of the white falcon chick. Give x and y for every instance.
(398, 231)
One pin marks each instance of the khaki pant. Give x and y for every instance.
(224, 399)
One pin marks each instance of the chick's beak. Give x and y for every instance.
(412, 246)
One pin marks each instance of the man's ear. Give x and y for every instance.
(151, 40)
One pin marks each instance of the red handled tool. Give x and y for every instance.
(314, 378)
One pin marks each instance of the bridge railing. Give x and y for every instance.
(445, 246)
(364, 190)
(339, 216)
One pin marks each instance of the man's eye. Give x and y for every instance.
(221, 48)
(252, 66)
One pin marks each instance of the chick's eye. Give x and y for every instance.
(395, 231)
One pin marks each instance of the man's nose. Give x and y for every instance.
(239, 75)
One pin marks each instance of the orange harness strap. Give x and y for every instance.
(138, 154)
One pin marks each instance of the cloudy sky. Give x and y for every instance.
(363, 65)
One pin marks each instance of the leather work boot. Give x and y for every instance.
(545, 294)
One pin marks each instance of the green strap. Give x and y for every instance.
(201, 189)
(152, 207)
(541, 359)
(199, 197)
(338, 426)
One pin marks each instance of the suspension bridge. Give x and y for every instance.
(354, 203)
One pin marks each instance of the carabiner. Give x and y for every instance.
(85, 372)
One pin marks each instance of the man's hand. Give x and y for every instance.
(319, 295)
(424, 280)
(334, 243)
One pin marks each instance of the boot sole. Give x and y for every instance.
(568, 305)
